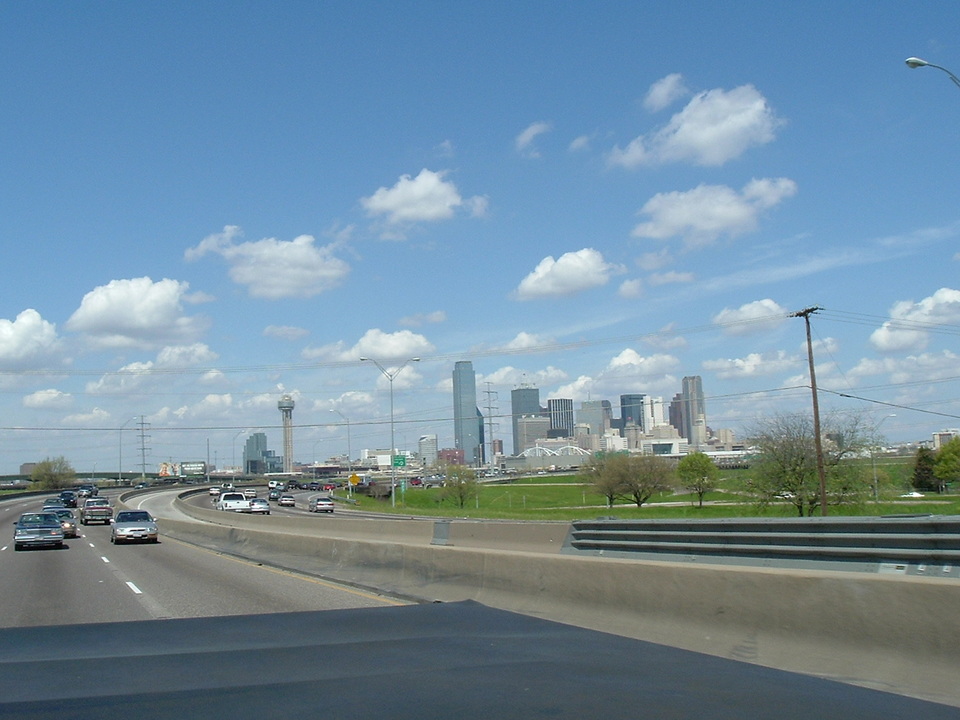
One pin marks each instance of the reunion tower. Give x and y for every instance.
(286, 412)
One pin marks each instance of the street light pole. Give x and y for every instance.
(390, 377)
(873, 459)
(120, 451)
(349, 450)
(915, 62)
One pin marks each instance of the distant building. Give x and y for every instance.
(450, 456)
(530, 428)
(467, 418)
(258, 459)
(631, 411)
(524, 402)
(596, 415)
(427, 449)
(560, 411)
(943, 437)
(694, 411)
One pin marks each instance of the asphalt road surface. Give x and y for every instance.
(90, 580)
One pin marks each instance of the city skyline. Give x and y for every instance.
(205, 208)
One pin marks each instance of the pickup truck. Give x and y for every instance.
(96, 510)
(233, 501)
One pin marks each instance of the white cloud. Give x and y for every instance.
(285, 332)
(527, 341)
(524, 141)
(127, 378)
(754, 317)
(274, 269)
(377, 345)
(910, 322)
(666, 338)
(664, 92)
(185, 355)
(579, 143)
(426, 198)
(94, 417)
(437, 316)
(136, 313)
(651, 373)
(753, 365)
(669, 278)
(573, 272)
(654, 260)
(28, 341)
(716, 126)
(630, 289)
(910, 369)
(50, 398)
(703, 214)
(510, 376)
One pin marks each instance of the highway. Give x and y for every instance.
(90, 580)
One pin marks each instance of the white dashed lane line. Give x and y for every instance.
(136, 590)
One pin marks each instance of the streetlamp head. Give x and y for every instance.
(364, 359)
(915, 62)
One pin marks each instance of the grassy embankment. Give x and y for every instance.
(565, 498)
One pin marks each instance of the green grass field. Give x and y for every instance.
(565, 498)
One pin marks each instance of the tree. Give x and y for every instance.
(947, 466)
(923, 464)
(460, 485)
(605, 473)
(698, 474)
(786, 464)
(646, 476)
(53, 473)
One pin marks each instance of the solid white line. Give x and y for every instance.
(135, 589)
(104, 559)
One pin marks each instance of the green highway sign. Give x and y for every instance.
(399, 460)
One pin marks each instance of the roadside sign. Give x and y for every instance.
(399, 460)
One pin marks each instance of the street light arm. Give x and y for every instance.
(915, 62)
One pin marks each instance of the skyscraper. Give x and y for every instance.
(631, 411)
(596, 414)
(524, 402)
(561, 417)
(694, 411)
(467, 419)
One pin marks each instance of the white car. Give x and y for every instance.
(233, 501)
(249, 493)
(287, 501)
(259, 506)
(321, 504)
(130, 525)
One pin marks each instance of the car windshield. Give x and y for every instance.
(65, 513)
(133, 516)
(39, 519)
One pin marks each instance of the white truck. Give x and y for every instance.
(233, 502)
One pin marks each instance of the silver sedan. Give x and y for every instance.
(130, 525)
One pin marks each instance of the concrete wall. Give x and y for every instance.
(889, 632)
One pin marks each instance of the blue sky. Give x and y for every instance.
(204, 205)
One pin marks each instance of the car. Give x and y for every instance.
(88, 490)
(214, 491)
(68, 498)
(130, 525)
(42, 528)
(233, 502)
(96, 509)
(249, 493)
(68, 521)
(273, 495)
(321, 504)
(259, 506)
(53, 504)
(287, 501)
(315, 485)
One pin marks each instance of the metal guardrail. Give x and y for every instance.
(915, 545)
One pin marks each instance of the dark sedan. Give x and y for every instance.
(42, 528)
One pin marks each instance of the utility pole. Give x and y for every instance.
(491, 397)
(143, 448)
(818, 444)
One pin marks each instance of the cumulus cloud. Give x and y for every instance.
(28, 341)
(910, 369)
(50, 398)
(185, 355)
(510, 376)
(97, 416)
(753, 365)
(137, 313)
(703, 214)
(665, 92)
(573, 272)
(274, 269)
(428, 197)
(910, 323)
(127, 378)
(524, 141)
(374, 344)
(715, 126)
(654, 373)
(754, 317)
(654, 260)
(527, 341)
(430, 318)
